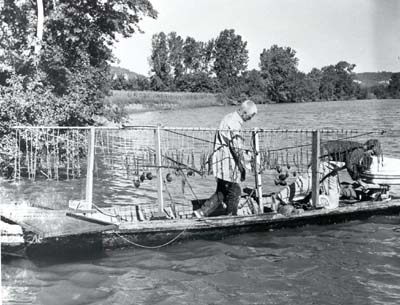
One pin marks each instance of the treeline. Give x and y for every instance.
(383, 89)
(220, 66)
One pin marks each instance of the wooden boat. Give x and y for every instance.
(71, 232)
(85, 227)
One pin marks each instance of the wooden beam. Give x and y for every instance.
(90, 168)
(157, 138)
(316, 142)
(257, 163)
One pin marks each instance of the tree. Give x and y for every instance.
(277, 66)
(230, 57)
(314, 82)
(337, 82)
(207, 56)
(302, 88)
(256, 87)
(159, 62)
(197, 82)
(394, 86)
(328, 83)
(345, 87)
(56, 72)
(192, 55)
(75, 49)
(175, 48)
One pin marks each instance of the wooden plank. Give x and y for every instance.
(315, 167)
(157, 139)
(158, 233)
(50, 223)
(257, 173)
(90, 168)
(55, 224)
(229, 221)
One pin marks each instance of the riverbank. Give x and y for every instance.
(141, 101)
(124, 103)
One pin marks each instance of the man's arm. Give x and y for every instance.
(236, 146)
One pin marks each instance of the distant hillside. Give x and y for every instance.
(128, 74)
(370, 79)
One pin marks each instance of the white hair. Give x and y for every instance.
(249, 107)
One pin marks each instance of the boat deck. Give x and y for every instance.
(45, 223)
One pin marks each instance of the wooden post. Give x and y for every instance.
(257, 173)
(315, 156)
(157, 139)
(16, 155)
(90, 168)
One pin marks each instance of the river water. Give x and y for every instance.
(356, 262)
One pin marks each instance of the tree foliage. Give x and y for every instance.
(175, 47)
(231, 57)
(278, 65)
(192, 55)
(159, 61)
(337, 81)
(394, 86)
(76, 48)
(62, 77)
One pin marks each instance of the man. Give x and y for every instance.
(337, 155)
(227, 161)
(329, 186)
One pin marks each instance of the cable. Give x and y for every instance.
(149, 247)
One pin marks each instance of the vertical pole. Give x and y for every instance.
(16, 155)
(315, 156)
(157, 138)
(90, 168)
(257, 173)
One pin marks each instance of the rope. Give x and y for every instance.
(149, 247)
(187, 181)
(191, 137)
(136, 244)
(305, 145)
(204, 140)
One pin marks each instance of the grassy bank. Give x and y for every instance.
(136, 101)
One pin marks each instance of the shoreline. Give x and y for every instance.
(142, 108)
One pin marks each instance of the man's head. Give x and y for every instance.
(247, 110)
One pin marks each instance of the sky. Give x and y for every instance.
(322, 32)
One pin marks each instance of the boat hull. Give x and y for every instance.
(159, 233)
